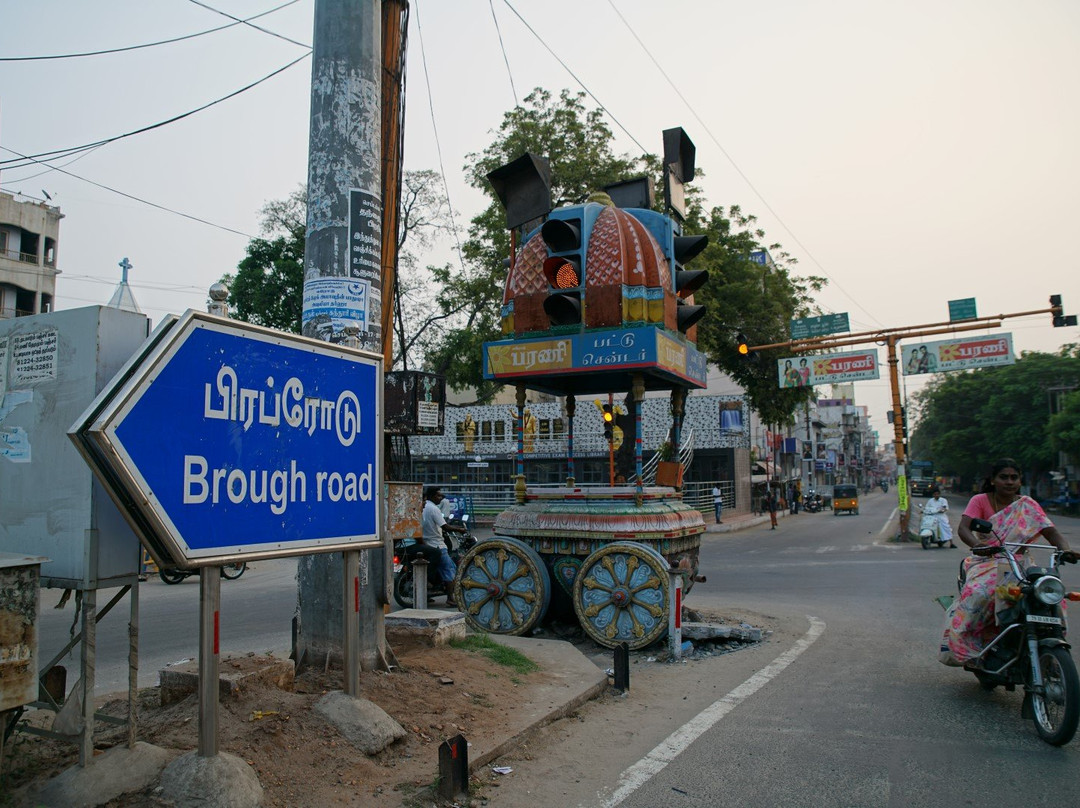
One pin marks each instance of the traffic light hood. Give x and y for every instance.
(624, 260)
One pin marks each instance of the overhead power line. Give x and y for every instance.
(132, 196)
(245, 22)
(147, 44)
(58, 154)
(735, 165)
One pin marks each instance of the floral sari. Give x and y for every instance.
(970, 623)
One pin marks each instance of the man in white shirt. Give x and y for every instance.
(434, 549)
(717, 501)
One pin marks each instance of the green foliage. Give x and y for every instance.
(577, 142)
(496, 652)
(268, 287)
(740, 295)
(757, 300)
(968, 419)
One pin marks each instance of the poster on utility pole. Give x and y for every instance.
(958, 353)
(806, 371)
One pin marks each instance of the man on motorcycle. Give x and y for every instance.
(432, 545)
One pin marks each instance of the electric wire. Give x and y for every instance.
(133, 197)
(144, 45)
(506, 59)
(58, 154)
(735, 165)
(245, 22)
(573, 75)
(438, 144)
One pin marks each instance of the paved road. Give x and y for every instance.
(847, 707)
(256, 615)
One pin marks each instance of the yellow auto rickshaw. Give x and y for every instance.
(845, 498)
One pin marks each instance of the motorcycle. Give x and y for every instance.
(1030, 649)
(813, 503)
(406, 552)
(230, 572)
(930, 530)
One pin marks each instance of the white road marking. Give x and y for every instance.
(671, 747)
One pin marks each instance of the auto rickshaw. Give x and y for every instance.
(845, 498)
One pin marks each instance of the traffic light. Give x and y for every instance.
(1060, 319)
(742, 345)
(563, 270)
(609, 423)
(688, 281)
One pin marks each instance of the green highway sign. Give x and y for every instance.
(962, 309)
(819, 326)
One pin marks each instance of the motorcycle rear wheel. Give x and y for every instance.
(403, 589)
(230, 572)
(1058, 711)
(171, 576)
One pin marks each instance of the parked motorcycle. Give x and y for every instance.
(1030, 649)
(930, 530)
(406, 552)
(230, 572)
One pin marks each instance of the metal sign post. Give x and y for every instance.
(209, 648)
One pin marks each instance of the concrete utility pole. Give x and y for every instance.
(342, 257)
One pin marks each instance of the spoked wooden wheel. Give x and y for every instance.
(503, 587)
(621, 595)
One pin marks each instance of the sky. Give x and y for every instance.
(912, 153)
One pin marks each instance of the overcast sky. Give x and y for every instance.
(912, 152)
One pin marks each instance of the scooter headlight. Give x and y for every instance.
(1050, 590)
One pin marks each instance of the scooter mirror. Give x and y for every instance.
(981, 526)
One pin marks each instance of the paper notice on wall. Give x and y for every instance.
(33, 357)
(15, 445)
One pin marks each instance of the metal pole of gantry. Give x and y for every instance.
(209, 646)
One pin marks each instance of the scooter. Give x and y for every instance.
(930, 530)
(813, 503)
(230, 572)
(406, 552)
(1030, 649)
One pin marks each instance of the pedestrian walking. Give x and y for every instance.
(772, 504)
(718, 502)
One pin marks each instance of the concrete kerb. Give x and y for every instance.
(572, 681)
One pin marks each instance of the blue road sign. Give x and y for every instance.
(242, 441)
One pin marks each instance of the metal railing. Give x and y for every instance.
(15, 255)
(490, 499)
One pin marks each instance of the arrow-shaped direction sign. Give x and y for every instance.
(224, 440)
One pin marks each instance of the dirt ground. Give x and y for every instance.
(300, 759)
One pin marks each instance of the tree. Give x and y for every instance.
(268, 287)
(757, 300)
(741, 295)
(577, 143)
(968, 419)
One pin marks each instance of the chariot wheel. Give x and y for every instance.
(502, 586)
(621, 595)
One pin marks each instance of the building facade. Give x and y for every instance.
(29, 239)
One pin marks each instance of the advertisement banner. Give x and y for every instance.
(805, 371)
(958, 353)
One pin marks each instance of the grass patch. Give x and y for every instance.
(499, 654)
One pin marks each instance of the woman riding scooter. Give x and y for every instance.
(936, 518)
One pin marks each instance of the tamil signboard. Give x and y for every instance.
(223, 440)
(806, 371)
(819, 326)
(958, 353)
(588, 363)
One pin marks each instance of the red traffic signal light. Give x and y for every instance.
(563, 270)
